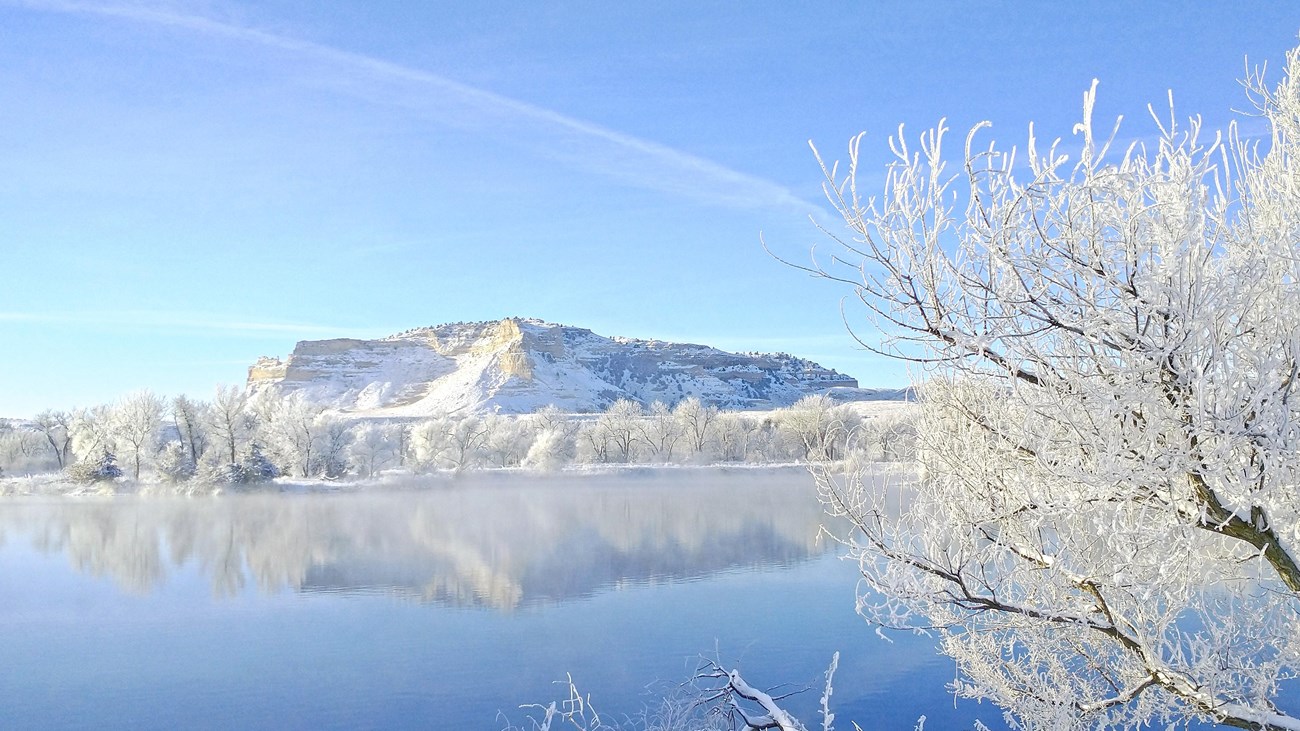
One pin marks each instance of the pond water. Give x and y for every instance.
(438, 607)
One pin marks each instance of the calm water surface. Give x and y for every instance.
(438, 607)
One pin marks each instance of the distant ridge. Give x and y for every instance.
(519, 365)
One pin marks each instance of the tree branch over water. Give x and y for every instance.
(1105, 531)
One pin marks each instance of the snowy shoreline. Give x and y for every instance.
(57, 485)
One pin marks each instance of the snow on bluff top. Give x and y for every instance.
(521, 365)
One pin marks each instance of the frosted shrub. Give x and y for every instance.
(549, 451)
(256, 467)
(253, 468)
(174, 464)
(94, 468)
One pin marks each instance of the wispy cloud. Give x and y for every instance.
(172, 321)
(579, 143)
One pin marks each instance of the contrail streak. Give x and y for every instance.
(576, 142)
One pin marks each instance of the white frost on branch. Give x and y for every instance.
(1106, 527)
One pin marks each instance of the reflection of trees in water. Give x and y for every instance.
(493, 543)
(137, 542)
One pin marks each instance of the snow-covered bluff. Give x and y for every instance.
(520, 365)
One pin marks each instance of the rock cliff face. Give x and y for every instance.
(519, 366)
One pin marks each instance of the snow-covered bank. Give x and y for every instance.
(59, 485)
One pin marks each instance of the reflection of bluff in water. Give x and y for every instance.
(498, 543)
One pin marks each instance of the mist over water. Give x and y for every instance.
(477, 542)
(433, 604)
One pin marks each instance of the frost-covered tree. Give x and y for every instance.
(698, 423)
(229, 422)
(191, 417)
(429, 442)
(660, 431)
(296, 432)
(551, 417)
(890, 437)
(618, 430)
(819, 426)
(768, 442)
(736, 434)
(401, 436)
(12, 448)
(507, 440)
(374, 447)
(335, 437)
(92, 433)
(56, 428)
(465, 441)
(592, 443)
(448, 442)
(22, 450)
(897, 435)
(134, 424)
(1106, 530)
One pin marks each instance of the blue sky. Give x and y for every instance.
(187, 185)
